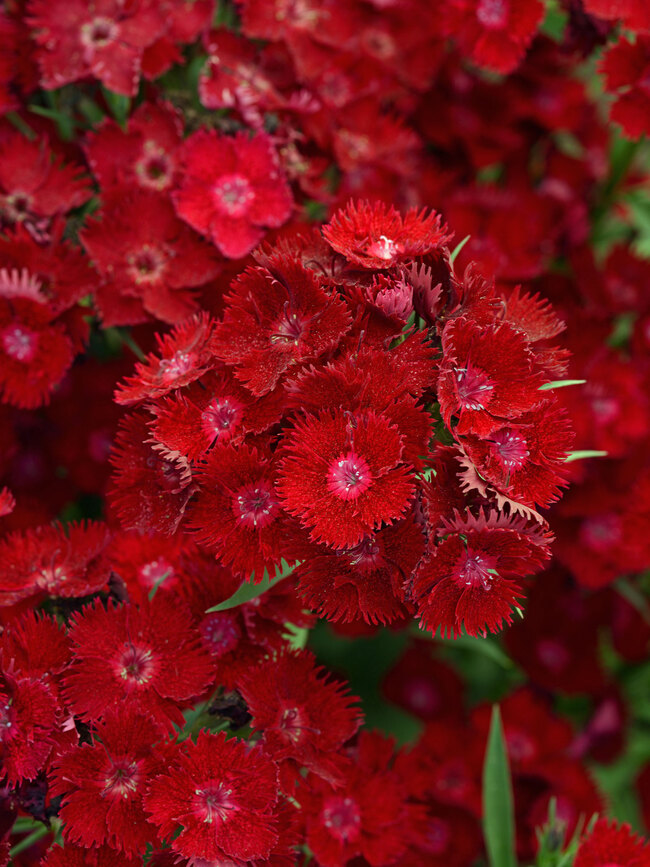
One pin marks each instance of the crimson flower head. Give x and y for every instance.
(102, 783)
(342, 475)
(305, 717)
(76, 39)
(486, 374)
(494, 33)
(148, 656)
(611, 845)
(232, 190)
(625, 66)
(72, 855)
(277, 317)
(377, 236)
(223, 795)
(29, 720)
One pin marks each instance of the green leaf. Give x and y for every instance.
(249, 591)
(118, 104)
(458, 248)
(498, 803)
(582, 455)
(561, 383)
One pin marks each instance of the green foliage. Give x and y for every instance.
(498, 801)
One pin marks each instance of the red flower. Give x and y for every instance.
(29, 721)
(377, 236)
(105, 40)
(494, 33)
(184, 357)
(276, 317)
(96, 856)
(304, 716)
(149, 259)
(223, 794)
(145, 154)
(342, 475)
(609, 844)
(237, 512)
(425, 687)
(35, 186)
(57, 561)
(148, 656)
(102, 783)
(368, 816)
(472, 578)
(634, 14)
(626, 66)
(486, 375)
(36, 646)
(364, 580)
(232, 189)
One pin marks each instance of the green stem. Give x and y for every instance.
(26, 842)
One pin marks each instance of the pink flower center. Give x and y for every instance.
(135, 664)
(294, 725)
(233, 195)
(510, 448)
(181, 363)
(154, 168)
(214, 803)
(601, 532)
(49, 578)
(474, 387)
(288, 329)
(552, 654)
(256, 505)
(156, 572)
(17, 206)
(342, 818)
(20, 343)
(385, 248)
(348, 477)
(123, 779)
(6, 719)
(438, 836)
(421, 696)
(476, 570)
(493, 14)
(99, 32)
(220, 633)
(148, 264)
(221, 417)
(365, 554)
(520, 745)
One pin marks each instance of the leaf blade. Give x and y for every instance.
(498, 801)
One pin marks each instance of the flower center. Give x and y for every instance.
(135, 664)
(156, 572)
(214, 803)
(99, 32)
(474, 387)
(255, 505)
(366, 553)
(49, 578)
(437, 836)
(147, 265)
(342, 818)
(17, 206)
(178, 365)
(421, 695)
(220, 633)
(294, 726)
(6, 719)
(288, 329)
(20, 343)
(520, 745)
(233, 195)
(348, 477)
(601, 532)
(475, 570)
(221, 417)
(510, 449)
(123, 779)
(154, 167)
(552, 654)
(493, 14)
(385, 248)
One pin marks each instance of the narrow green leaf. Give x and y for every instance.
(561, 383)
(118, 104)
(632, 594)
(249, 591)
(458, 248)
(582, 455)
(498, 803)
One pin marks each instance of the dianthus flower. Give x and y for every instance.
(634, 14)
(224, 796)
(29, 722)
(147, 655)
(75, 39)
(304, 716)
(609, 844)
(232, 190)
(276, 317)
(102, 783)
(57, 561)
(494, 33)
(342, 475)
(378, 237)
(149, 259)
(71, 855)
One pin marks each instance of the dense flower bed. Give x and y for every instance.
(325, 433)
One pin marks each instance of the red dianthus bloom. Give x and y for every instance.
(148, 656)
(232, 189)
(342, 475)
(29, 720)
(224, 796)
(612, 845)
(626, 66)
